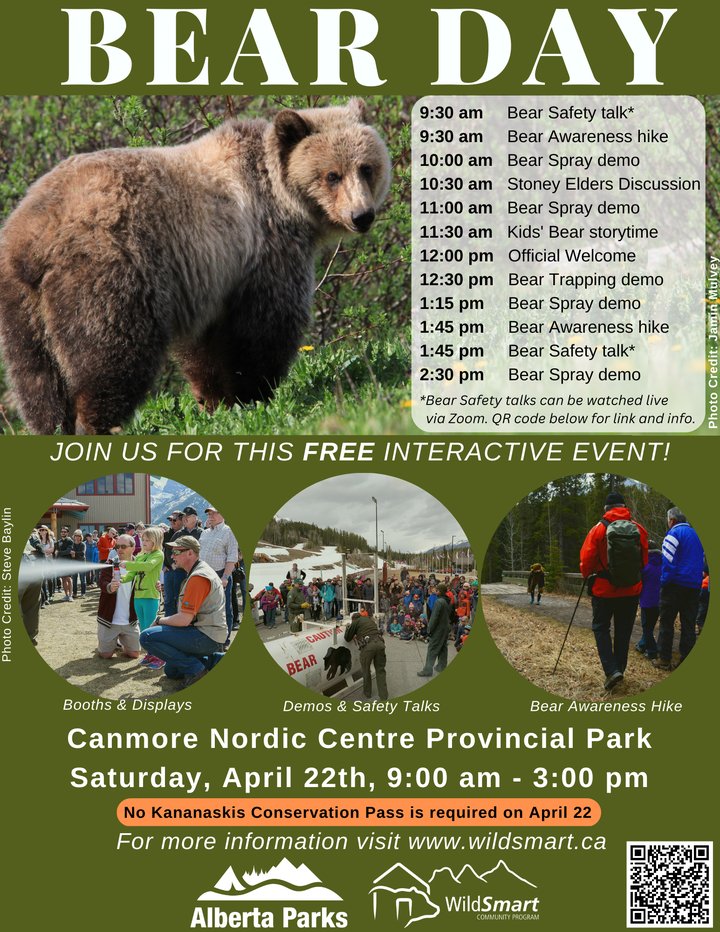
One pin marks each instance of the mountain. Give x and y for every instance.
(167, 496)
(446, 874)
(285, 872)
(463, 544)
(271, 563)
(284, 881)
(500, 879)
(501, 873)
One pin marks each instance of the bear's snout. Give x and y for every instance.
(363, 221)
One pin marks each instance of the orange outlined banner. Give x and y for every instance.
(359, 813)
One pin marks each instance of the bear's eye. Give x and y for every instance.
(366, 171)
(332, 177)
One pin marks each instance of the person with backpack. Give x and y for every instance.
(270, 600)
(612, 559)
(681, 579)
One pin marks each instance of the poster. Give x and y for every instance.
(517, 338)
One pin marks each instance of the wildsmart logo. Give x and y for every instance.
(400, 894)
(281, 888)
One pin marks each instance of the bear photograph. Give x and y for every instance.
(223, 240)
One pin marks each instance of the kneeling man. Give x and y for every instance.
(191, 640)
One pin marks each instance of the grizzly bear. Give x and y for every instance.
(116, 258)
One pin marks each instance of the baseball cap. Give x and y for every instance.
(186, 542)
(210, 508)
(189, 510)
(175, 515)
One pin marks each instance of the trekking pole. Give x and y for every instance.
(582, 589)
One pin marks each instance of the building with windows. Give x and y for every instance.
(110, 500)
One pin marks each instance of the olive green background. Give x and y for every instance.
(34, 59)
(62, 840)
(60, 864)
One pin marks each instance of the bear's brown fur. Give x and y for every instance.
(116, 258)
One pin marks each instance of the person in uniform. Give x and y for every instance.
(296, 604)
(366, 634)
(438, 631)
(190, 641)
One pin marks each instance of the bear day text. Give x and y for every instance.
(178, 35)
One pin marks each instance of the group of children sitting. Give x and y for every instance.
(406, 607)
(406, 627)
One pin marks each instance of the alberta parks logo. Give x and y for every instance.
(291, 897)
(405, 896)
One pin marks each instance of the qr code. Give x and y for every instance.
(669, 884)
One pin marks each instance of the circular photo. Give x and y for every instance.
(595, 585)
(363, 587)
(129, 584)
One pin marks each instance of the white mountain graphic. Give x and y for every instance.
(285, 872)
(486, 877)
(284, 881)
(501, 865)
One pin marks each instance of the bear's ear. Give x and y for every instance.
(358, 109)
(290, 129)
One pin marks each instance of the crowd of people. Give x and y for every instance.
(299, 599)
(625, 570)
(167, 594)
(410, 608)
(445, 611)
(404, 605)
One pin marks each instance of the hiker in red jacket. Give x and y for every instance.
(612, 558)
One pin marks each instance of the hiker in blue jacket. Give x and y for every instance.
(681, 579)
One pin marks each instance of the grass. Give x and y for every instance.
(347, 386)
(530, 644)
(344, 387)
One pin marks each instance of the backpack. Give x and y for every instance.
(624, 553)
(271, 601)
